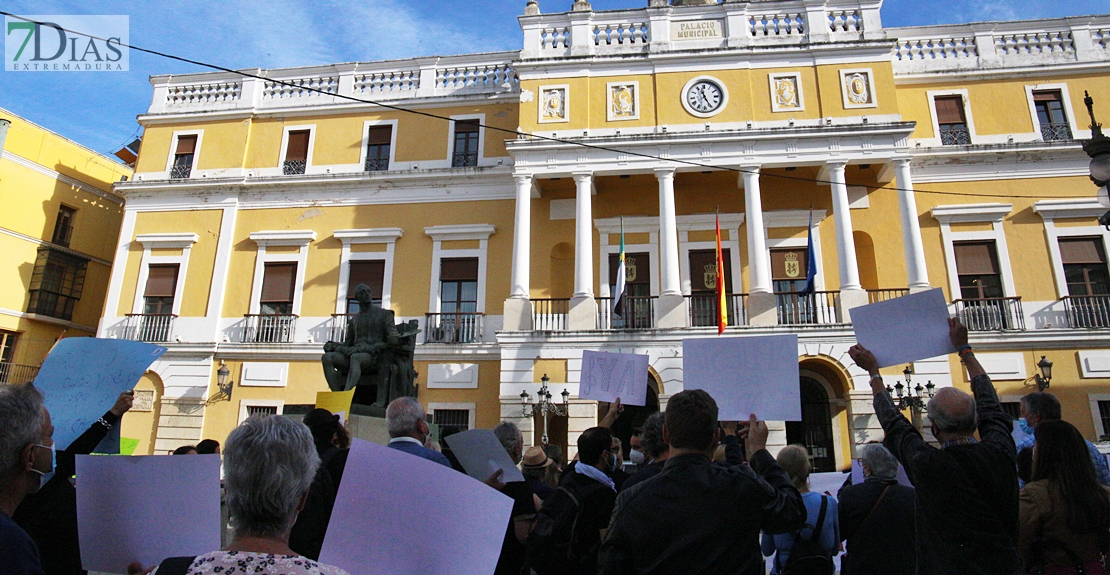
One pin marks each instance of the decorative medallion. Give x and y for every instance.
(793, 268)
(624, 101)
(858, 89)
(786, 92)
(704, 96)
(710, 276)
(553, 104)
(629, 269)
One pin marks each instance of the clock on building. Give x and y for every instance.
(704, 97)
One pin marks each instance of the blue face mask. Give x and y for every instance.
(1024, 426)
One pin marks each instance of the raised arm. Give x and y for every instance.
(902, 438)
(66, 464)
(995, 426)
(783, 508)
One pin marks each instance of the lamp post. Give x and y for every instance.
(1045, 376)
(543, 404)
(222, 385)
(1098, 148)
(912, 398)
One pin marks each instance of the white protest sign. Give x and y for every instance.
(904, 329)
(746, 375)
(395, 493)
(607, 376)
(146, 508)
(481, 454)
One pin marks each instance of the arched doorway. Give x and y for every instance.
(634, 415)
(815, 430)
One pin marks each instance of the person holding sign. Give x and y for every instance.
(50, 515)
(697, 517)
(26, 450)
(966, 498)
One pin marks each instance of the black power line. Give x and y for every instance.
(519, 134)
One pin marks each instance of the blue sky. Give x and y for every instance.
(99, 109)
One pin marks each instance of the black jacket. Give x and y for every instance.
(869, 551)
(49, 516)
(966, 498)
(697, 517)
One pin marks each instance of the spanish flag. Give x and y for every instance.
(722, 307)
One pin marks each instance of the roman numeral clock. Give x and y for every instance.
(704, 96)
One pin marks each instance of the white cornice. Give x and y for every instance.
(702, 222)
(283, 237)
(369, 235)
(632, 224)
(20, 160)
(169, 241)
(460, 232)
(968, 213)
(1072, 208)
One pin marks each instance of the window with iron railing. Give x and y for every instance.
(952, 121)
(378, 140)
(296, 153)
(458, 418)
(63, 226)
(57, 281)
(261, 410)
(182, 166)
(465, 152)
(1049, 105)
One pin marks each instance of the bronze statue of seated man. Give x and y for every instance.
(371, 334)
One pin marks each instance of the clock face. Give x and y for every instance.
(704, 96)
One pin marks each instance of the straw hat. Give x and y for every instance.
(535, 458)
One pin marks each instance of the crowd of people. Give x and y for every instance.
(704, 496)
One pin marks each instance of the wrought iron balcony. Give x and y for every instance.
(269, 328)
(638, 313)
(455, 327)
(15, 373)
(702, 309)
(181, 171)
(376, 164)
(955, 136)
(991, 314)
(337, 327)
(464, 160)
(1087, 311)
(550, 314)
(293, 167)
(817, 308)
(877, 295)
(1055, 131)
(149, 327)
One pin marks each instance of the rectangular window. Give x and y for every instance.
(63, 226)
(636, 312)
(296, 153)
(458, 285)
(377, 148)
(10, 373)
(1050, 114)
(371, 273)
(278, 283)
(183, 157)
(56, 283)
(703, 271)
(952, 121)
(161, 285)
(1085, 266)
(978, 271)
(1012, 408)
(1104, 415)
(7, 345)
(466, 144)
(261, 410)
(457, 418)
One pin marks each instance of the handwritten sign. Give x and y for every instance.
(481, 454)
(146, 508)
(398, 493)
(607, 376)
(83, 376)
(746, 375)
(904, 329)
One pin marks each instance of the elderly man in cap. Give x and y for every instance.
(538, 470)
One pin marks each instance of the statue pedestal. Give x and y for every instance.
(368, 423)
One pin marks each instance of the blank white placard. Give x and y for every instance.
(746, 375)
(904, 329)
(480, 453)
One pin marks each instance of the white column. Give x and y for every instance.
(759, 264)
(916, 273)
(583, 237)
(522, 237)
(668, 235)
(845, 245)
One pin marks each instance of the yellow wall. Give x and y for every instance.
(202, 258)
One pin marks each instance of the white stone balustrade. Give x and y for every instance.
(326, 85)
(787, 24)
(1057, 41)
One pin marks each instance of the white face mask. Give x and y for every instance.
(637, 456)
(45, 478)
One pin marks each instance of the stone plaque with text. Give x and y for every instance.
(697, 30)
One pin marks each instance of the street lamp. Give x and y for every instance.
(1045, 376)
(1098, 148)
(913, 398)
(222, 384)
(543, 404)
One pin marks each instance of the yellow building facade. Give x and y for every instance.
(58, 236)
(484, 199)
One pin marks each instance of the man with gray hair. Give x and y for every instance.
(26, 463)
(409, 430)
(966, 499)
(875, 512)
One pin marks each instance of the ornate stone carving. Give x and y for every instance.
(553, 104)
(785, 93)
(624, 101)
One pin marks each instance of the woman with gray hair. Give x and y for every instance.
(269, 464)
(875, 512)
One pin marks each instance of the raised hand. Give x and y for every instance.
(123, 403)
(756, 435)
